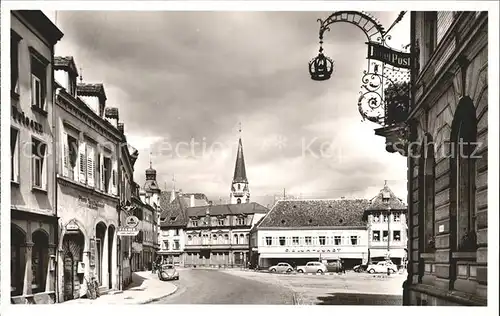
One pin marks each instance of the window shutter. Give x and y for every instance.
(43, 167)
(114, 177)
(101, 170)
(65, 154)
(33, 89)
(90, 166)
(83, 161)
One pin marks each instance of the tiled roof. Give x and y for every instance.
(227, 209)
(200, 199)
(378, 203)
(65, 62)
(172, 214)
(316, 213)
(240, 174)
(91, 89)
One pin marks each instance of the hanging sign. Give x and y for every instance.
(127, 231)
(72, 227)
(389, 56)
(132, 221)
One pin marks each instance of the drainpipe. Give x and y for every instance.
(56, 166)
(119, 206)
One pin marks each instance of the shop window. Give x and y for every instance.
(39, 165)
(14, 154)
(337, 240)
(376, 235)
(464, 129)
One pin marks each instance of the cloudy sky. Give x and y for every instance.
(184, 77)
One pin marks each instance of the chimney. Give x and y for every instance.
(192, 201)
(65, 73)
(121, 128)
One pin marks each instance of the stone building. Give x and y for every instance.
(34, 226)
(448, 160)
(298, 231)
(87, 184)
(387, 227)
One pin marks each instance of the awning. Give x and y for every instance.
(394, 253)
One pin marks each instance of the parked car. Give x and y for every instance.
(281, 267)
(333, 265)
(168, 272)
(312, 267)
(360, 268)
(382, 267)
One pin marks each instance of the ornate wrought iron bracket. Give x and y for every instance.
(384, 94)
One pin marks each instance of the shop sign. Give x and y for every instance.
(93, 204)
(314, 250)
(21, 118)
(132, 221)
(127, 231)
(72, 227)
(389, 56)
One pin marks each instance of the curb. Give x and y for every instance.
(151, 300)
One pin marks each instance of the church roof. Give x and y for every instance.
(227, 209)
(240, 174)
(316, 213)
(393, 202)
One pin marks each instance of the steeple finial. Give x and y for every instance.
(173, 181)
(239, 130)
(150, 161)
(81, 75)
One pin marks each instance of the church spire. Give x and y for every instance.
(240, 174)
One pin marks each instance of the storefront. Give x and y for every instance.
(87, 245)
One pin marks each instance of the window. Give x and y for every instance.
(38, 83)
(176, 245)
(337, 240)
(385, 235)
(308, 240)
(430, 33)
(397, 217)
(176, 232)
(428, 194)
(386, 218)
(241, 221)
(463, 166)
(322, 240)
(106, 173)
(165, 243)
(14, 62)
(295, 241)
(376, 235)
(238, 201)
(91, 166)
(396, 235)
(269, 241)
(14, 154)
(194, 223)
(38, 164)
(242, 239)
(282, 241)
(376, 218)
(354, 240)
(221, 222)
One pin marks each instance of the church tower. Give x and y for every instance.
(239, 188)
(151, 187)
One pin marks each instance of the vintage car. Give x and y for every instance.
(382, 267)
(281, 267)
(168, 272)
(312, 267)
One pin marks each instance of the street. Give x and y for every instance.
(199, 286)
(216, 287)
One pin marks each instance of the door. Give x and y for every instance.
(68, 276)
(98, 260)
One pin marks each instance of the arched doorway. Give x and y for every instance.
(100, 233)
(111, 234)
(73, 245)
(17, 257)
(40, 259)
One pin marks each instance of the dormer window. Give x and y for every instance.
(194, 223)
(173, 218)
(240, 221)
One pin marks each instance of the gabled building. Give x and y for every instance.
(387, 227)
(298, 231)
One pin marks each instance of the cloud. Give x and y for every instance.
(182, 77)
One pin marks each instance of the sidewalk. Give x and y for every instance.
(145, 288)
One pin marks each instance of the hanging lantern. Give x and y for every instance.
(321, 67)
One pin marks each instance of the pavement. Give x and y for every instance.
(212, 286)
(344, 289)
(145, 288)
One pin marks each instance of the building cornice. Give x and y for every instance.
(88, 189)
(315, 228)
(81, 110)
